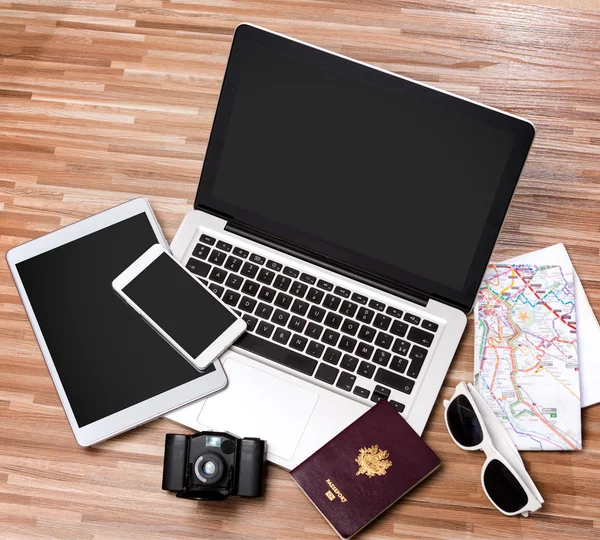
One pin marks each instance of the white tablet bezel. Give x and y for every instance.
(217, 347)
(141, 412)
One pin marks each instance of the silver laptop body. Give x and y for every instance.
(324, 343)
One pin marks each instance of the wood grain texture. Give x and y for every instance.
(105, 100)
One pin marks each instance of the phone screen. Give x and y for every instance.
(179, 305)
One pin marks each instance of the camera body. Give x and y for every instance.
(210, 466)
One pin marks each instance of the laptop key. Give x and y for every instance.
(379, 306)
(291, 272)
(376, 398)
(273, 265)
(325, 285)
(359, 298)
(346, 381)
(381, 357)
(316, 313)
(364, 351)
(277, 353)
(313, 330)
(204, 281)
(218, 275)
(216, 289)
(417, 355)
(217, 257)
(231, 298)
(347, 344)
(240, 252)
(283, 300)
(298, 289)
(198, 267)
(280, 317)
(394, 312)
(365, 315)
(266, 294)
(207, 239)
(307, 278)
(224, 246)
(282, 282)
(315, 349)
(420, 336)
(382, 322)
(413, 319)
(350, 327)
(366, 369)
(349, 362)
(264, 329)
(326, 373)
(384, 340)
(250, 287)
(201, 251)
(265, 276)
(297, 324)
(431, 326)
(399, 364)
(330, 337)
(315, 295)
(331, 302)
(342, 292)
(258, 259)
(382, 390)
(395, 381)
(332, 356)
(298, 342)
(247, 304)
(401, 347)
(348, 308)
(234, 282)
(233, 263)
(250, 322)
(366, 333)
(264, 311)
(300, 307)
(399, 328)
(333, 320)
(397, 405)
(249, 270)
(281, 335)
(362, 392)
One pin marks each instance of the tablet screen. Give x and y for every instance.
(106, 356)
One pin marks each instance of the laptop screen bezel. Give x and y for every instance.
(321, 250)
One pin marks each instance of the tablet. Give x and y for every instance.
(112, 371)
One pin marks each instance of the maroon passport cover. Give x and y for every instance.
(365, 469)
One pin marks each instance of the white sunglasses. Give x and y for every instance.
(474, 426)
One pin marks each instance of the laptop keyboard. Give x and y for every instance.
(338, 336)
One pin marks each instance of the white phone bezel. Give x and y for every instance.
(139, 413)
(223, 342)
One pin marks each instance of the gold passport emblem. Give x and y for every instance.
(373, 461)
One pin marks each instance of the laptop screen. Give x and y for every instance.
(379, 173)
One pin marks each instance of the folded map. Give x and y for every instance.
(526, 364)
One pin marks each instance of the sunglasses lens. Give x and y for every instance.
(503, 488)
(463, 422)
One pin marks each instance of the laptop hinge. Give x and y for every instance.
(325, 262)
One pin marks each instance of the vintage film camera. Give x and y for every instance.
(210, 466)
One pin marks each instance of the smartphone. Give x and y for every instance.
(180, 308)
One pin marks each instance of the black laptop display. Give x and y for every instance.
(402, 184)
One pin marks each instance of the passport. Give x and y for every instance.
(365, 469)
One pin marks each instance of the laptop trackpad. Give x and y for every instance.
(258, 404)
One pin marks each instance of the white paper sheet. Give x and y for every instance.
(588, 329)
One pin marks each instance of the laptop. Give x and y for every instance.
(348, 214)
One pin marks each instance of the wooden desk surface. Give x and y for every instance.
(102, 101)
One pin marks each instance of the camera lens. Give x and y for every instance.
(209, 468)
